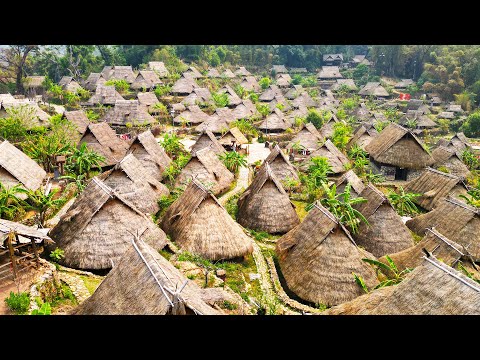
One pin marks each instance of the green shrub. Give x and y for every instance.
(121, 86)
(18, 303)
(57, 255)
(264, 82)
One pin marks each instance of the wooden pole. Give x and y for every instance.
(11, 236)
(34, 246)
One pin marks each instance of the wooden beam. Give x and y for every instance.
(10, 238)
(35, 251)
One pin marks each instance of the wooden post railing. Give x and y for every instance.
(10, 238)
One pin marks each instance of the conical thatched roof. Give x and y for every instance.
(356, 184)
(228, 74)
(205, 167)
(233, 98)
(216, 123)
(199, 224)
(145, 283)
(193, 115)
(265, 206)
(193, 72)
(280, 165)
(93, 80)
(347, 82)
(122, 73)
(105, 95)
(317, 259)
(152, 156)
(335, 157)
(198, 95)
(329, 72)
(458, 142)
(249, 83)
(308, 137)
(207, 139)
(435, 243)
(362, 137)
(451, 160)
(69, 84)
(434, 185)
(244, 110)
(146, 79)
(159, 68)
(96, 230)
(233, 134)
(455, 220)
(293, 92)
(134, 182)
(101, 138)
(213, 73)
(17, 168)
(147, 99)
(184, 86)
(397, 146)
(128, 111)
(242, 71)
(270, 93)
(283, 80)
(303, 100)
(326, 131)
(373, 89)
(385, 233)
(79, 119)
(433, 288)
(274, 122)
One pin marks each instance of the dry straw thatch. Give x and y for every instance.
(128, 112)
(79, 120)
(362, 137)
(280, 165)
(93, 80)
(308, 138)
(265, 206)
(329, 73)
(356, 184)
(135, 183)
(433, 288)
(199, 224)
(317, 259)
(145, 283)
(194, 73)
(249, 83)
(228, 74)
(145, 80)
(17, 168)
(159, 68)
(193, 115)
(293, 92)
(233, 98)
(33, 82)
(233, 135)
(303, 100)
(242, 71)
(450, 159)
(434, 185)
(101, 138)
(385, 233)
(122, 73)
(148, 100)
(96, 230)
(152, 156)
(335, 157)
(347, 82)
(455, 220)
(397, 146)
(327, 129)
(38, 116)
(270, 93)
(205, 167)
(216, 123)
(458, 142)
(207, 139)
(105, 95)
(275, 122)
(184, 86)
(213, 73)
(23, 230)
(69, 84)
(373, 89)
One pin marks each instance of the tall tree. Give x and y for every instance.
(13, 61)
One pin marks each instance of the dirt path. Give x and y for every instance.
(242, 184)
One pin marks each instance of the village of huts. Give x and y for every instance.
(239, 180)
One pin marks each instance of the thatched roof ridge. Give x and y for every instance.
(199, 224)
(451, 159)
(279, 69)
(33, 81)
(159, 68)
(249, 83)
(233, 134)
(335, 157)
(347, 82)
(213, 73)
(128, 111)
(104, 94)
(228, 74)
(194, 72)
(207, 139)
(233, 98)
(362, 137)
(94, 232)
(184, 85)
(351, 178)
(193, 115)
(265, 206)
(146, 79)
(147, 98)
(433, 185)
(275, 121)
(308, 137)
(280, 165)
(329, 72)
(16, 167)
(145, 283)
(397, 146)
(317, 259)
(122, 73)
(101, 138)
(39, 117)
(93, 80)
(242, 71)
(373, 89)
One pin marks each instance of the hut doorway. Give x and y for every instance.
(401, 174)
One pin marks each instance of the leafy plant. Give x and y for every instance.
(466, 272)
(391, 270)
(232, 206)
(403, 202)
(10, 203)
(315, 118)
(121, 85)
(57, 255)
(159, 108)
(41, 201)
(245, 126)
(18, 303)
(341, 135)
(45, 309)
(290, 183)
(411, 123)
(240, 91)
(470, 159)
(162, 90)
(172, 145)
(263, 109)
(233, 160)
(220, 99)
(264, 82)
(83, 160)
(380, 125)
(359, 280)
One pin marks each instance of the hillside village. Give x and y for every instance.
(177, 187)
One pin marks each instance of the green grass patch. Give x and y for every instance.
(165, 253)
(262, 235)
(300, 208)
(90, 283)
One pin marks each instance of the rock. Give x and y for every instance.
(221, 272)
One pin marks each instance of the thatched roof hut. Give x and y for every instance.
(385, 233)
(146, 79)
(122, 73)
(329, 73)
(373, 89)
(446, 115)
(249, 83)
(128, 111)
(93, 80)
(205, 167)
(265, 206)
(397, 146)
(279, 69)
(96, 230)
(356, 184)
(362, 137)
(34, 85)
(152, 156)
(215, 123)
(270, 93)
(347, 82)
(147, 100)
(159, 68)
(145, 283)
(279, 99)
(283, 80)
(241, 71)
(455, 108)
(69, 84)
(335, 157)
(17, 168)
(298, 70)
(303, 100)
(198, 95)
(199, 224)
(434, 185)
(207, 139)
(327, 129)
(308, 138)
(451, 160)
(79, 120)
(318, 257)
(131, 179)
(423, 121)
(245, 110)
(36, 116)
(213, 73)
(193, 115)
(233, 98)
(228, 74)
(455, 220)
(333, 58)
(436, 244)
(105, 95)
(458, 142)
(233, 135)
(101, 138)
(275, 122)
(433, 288)
(194, 73)
(280, 165)
(184, 86)
(178, 107)
(402, 84)
(293, 92)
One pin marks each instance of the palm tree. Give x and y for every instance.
(41, 201)
(83, 160)
(403, 202)
(233, 160)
